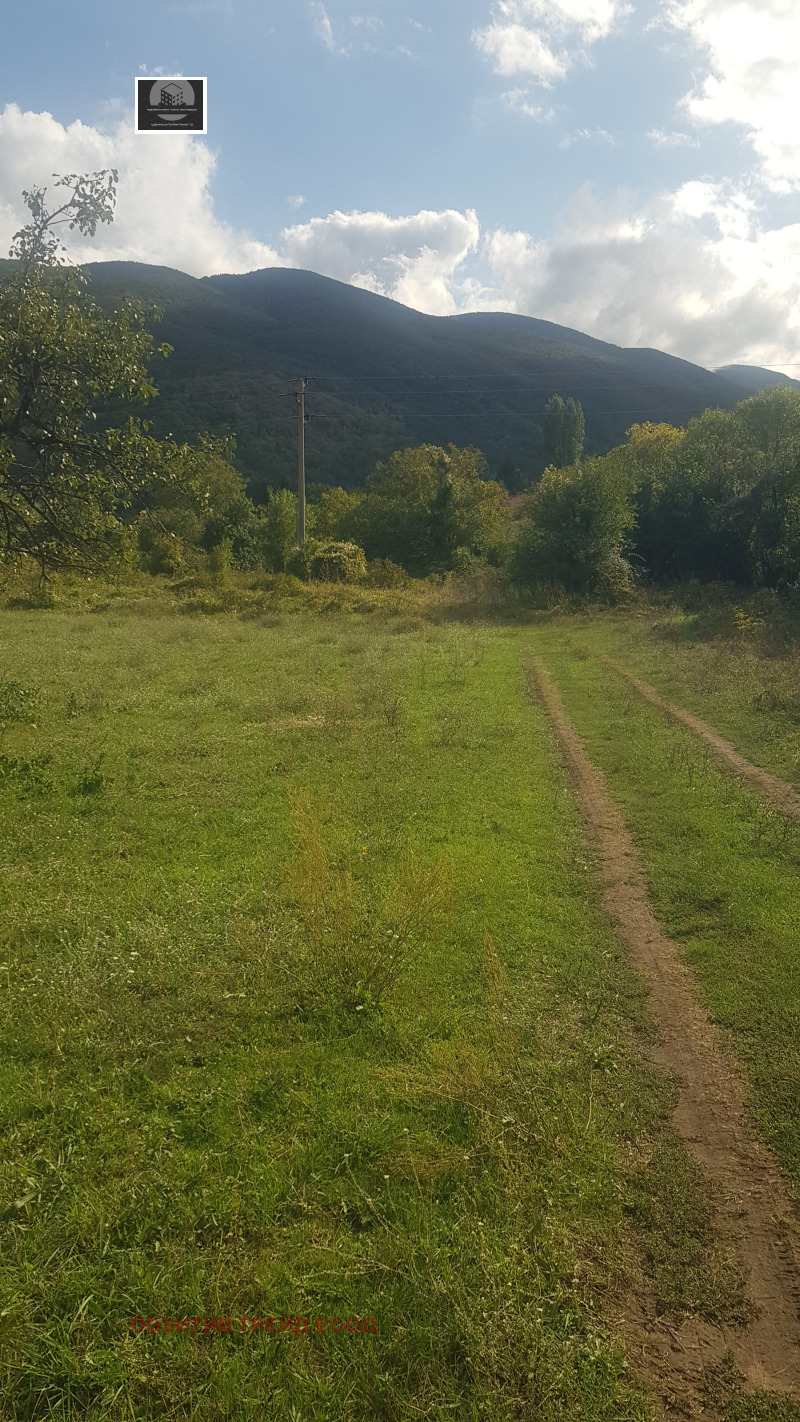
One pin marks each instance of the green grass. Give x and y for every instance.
(731, 658)
(309, 1008)
(721, 863)
(691, 1269)
(267, 597)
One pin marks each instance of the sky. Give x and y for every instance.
(630, 168)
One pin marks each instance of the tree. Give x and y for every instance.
(574, 535)
(563, 431)
(719, 500)
(427, 505)
(280, 529)
(768, 514)
(330, 517)
(64, 481)
(201, 500)
(649, 455)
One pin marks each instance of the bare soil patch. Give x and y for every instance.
(784, 796)
(755, 1217)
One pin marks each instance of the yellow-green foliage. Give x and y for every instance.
(330, 517)
(337, 563)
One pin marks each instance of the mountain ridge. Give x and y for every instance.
(386, 375)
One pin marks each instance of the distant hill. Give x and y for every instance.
(386, 375)
(753, 378)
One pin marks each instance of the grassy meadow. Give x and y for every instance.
(310, 1011)
(722, 863)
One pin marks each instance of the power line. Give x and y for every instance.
(434, 394)
(486, 415)
(437, 394)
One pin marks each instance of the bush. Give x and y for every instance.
(298, 564)
(338, 563)
(164, 555)
(383, 573)
(220, 559)
(328, 562)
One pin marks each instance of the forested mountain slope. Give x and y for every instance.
(385, 375)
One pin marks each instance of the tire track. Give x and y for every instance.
(778, 791)
(755, 1213)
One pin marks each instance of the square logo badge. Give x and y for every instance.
(171, 105)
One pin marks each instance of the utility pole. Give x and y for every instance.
(301, 462)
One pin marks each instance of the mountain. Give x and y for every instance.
(752, 378)
(384, 375)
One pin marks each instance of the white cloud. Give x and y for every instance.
(696, 272)
(164, 213)
(519, 100)
(586, 135)
(693, 274)
(296, 200)
(513, 49)
(367, 22)
(323, 29)
(412, 259)
(752, 62)
(543, 38)
(732, 211)
(673, 138)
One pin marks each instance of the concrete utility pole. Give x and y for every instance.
(301, 462)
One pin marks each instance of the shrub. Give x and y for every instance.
(338, 563)
(220, 559)
(383, 573)
(298, 564)
(165, 554)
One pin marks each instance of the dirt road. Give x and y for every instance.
(756, 1215)
(781, 794)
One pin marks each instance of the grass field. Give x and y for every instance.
(722, 863)
(310, 1011)
(732, 659)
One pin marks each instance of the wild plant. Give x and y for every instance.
(360, 938)
(91, 779)
(380, 696)
(18, 702)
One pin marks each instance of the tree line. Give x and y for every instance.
(81, 489)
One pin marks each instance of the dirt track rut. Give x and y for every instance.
(710, 1115)
(781, 794)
